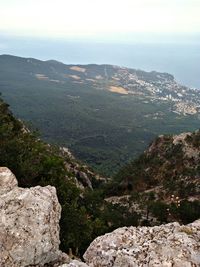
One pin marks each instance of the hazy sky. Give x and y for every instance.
(76, 18)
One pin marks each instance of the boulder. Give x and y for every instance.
(29, 223)
(165, 245)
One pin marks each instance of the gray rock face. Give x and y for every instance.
(160, 246)
(29, 223)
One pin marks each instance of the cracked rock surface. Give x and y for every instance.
(29, 223)
(160, 246)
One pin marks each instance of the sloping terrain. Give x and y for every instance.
(105, 114)
(164, 180)
(85, 215)
(172, 162)
(142, 193)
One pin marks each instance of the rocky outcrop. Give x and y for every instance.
(166, 245)
(29, 223)
(83, 176)
(29, 235)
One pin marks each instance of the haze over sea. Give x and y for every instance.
(180, 57)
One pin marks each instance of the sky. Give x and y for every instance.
(82, 18)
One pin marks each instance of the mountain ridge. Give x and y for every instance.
(105, 114)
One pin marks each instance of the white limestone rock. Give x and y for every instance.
(75, 263)
(166, 245)
(7, 180)
(29, 223)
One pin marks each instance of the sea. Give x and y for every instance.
(181, 58)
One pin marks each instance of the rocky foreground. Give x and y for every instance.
(29, 223)
(29, 235)
(166, 245)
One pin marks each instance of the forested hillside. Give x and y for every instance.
(106, 120)
(105, 114)
(165, 179)
(85, 215)
(160, 186)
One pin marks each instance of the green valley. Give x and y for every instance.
(106, 115)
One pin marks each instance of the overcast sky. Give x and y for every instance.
(76, 18)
